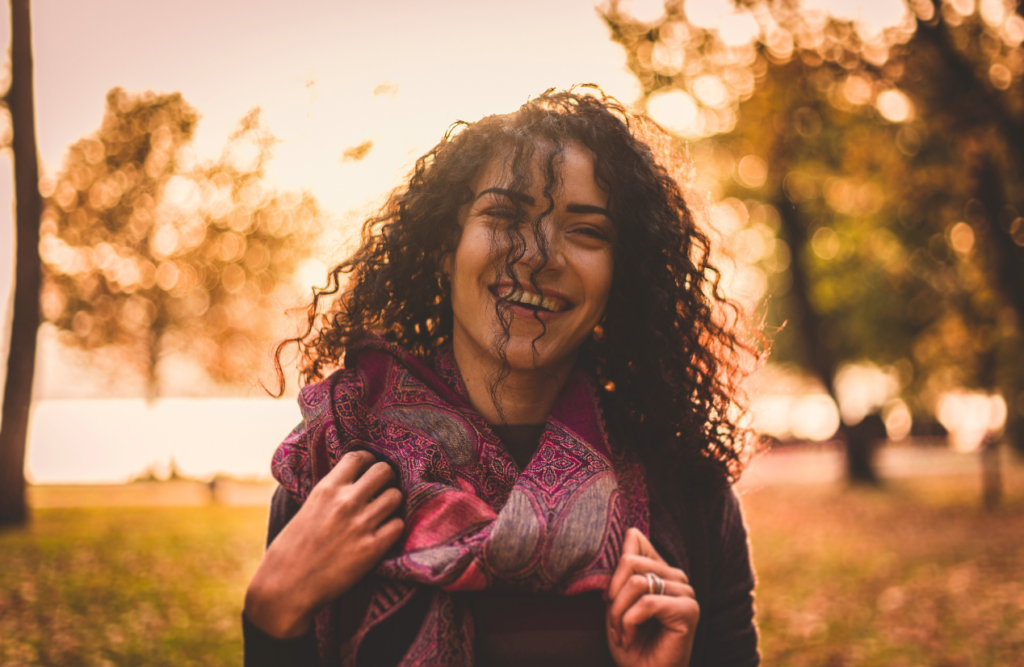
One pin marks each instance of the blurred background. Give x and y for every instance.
(200, 165)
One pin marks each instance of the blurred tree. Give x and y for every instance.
(21, 354)
(147, 253)
(883, 150)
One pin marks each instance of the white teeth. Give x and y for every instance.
(529, 298)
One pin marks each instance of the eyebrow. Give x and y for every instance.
(527, 199)
(511, 194)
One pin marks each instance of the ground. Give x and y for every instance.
(911, 574)
(127, 586)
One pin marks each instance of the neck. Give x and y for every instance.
(526, 396)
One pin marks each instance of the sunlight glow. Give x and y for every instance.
(676, 111)
(993, 12)
(970, 417)
(961, 237)
(710, 90)
(898, 419)
(738, 28)
(707, 13)
(646, 11)
(864, 388)
(752, 171)
(71, 441)
(811, 417)
(894, 106)
(1013, 30)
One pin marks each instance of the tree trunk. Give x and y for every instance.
(964, 85)
(152, 359)
(991, 474)
(1008, 263)
(860, 443)
(860, 468)
(1007, 255)
(21, 356)
(978, 104)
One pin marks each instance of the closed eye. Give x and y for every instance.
(591, 232)
(500, 212)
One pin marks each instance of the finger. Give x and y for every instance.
(676, 614)
(635, 542)
(677, 590)
(631, 543)
(350, 467)
(388, 534)
(643, 565)
(639, 613)
(383, 506)
(632, 589)
(646, 548)
(378, 476)
(630, 546)
(622, 573)
(631, 564)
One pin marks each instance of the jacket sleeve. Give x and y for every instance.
(729, 612)
(261, 649)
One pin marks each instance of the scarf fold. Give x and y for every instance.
(473, 521)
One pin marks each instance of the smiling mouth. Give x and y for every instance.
(531, 301)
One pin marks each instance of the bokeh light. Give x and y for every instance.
(894, 106)
(676, 111)
(970, 417)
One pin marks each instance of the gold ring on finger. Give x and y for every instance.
(655, 584)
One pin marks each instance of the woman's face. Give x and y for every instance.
(574, 282)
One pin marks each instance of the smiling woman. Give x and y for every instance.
(525, 456)
(535, 313)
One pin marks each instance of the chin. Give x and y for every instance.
(521, 356)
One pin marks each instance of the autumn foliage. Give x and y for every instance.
(867, 163)
(149, 253)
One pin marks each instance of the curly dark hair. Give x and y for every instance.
(669, 355)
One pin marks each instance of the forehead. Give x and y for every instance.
(574, 172)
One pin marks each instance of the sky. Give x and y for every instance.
(312, 67)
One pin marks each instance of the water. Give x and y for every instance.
(97, 441)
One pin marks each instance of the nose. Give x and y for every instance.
(552, 257)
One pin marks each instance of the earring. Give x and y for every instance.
(444, 285)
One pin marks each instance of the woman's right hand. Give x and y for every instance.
(338, 535)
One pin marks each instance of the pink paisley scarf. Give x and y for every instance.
(473, 520)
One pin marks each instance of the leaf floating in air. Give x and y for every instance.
(357, 153)
(389, 88)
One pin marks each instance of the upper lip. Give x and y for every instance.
(564, 303)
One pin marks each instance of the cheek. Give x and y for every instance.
(471, 256)
(599, 281)
(469, 266)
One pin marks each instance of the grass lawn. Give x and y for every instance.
(127, 586)
(910, 575)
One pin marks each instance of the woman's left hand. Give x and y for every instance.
(645, 628)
